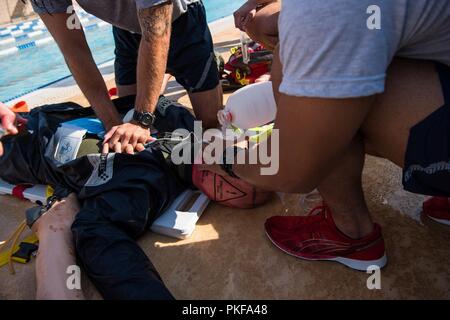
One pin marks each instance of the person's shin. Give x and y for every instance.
(342, 192)
(206, 104)
(126, 90)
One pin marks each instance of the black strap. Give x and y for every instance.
(34, 213)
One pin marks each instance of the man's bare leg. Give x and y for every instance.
(413, 91)
(342, 192)
(56, 251)
(130, 90)
(264, 27)
(206, 104)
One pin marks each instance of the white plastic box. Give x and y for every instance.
(181, 224)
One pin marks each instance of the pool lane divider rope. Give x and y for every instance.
(35, 24)
(30, 30)
(22, 37)
(40, 42)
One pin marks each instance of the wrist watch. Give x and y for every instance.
(144, 119)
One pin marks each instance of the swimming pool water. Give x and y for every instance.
(216, 9)
(32, 68)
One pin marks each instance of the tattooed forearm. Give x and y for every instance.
(156, 21)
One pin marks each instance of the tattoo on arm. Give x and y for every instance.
(156, 21)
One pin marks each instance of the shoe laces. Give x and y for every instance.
(315, 215)
(318, 210)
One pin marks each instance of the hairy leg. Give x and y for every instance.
(206, 104)
(342, 192)
(56, 251)
(264, 27)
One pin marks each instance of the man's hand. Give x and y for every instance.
(245, 14)
(7, 118)
(127, 137)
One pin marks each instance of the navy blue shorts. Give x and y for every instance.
(427, 159)
(191, 55)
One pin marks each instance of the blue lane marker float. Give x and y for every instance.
(23, 26)
(20, 38)
(27, 45)
(37, 43)
(32, 34)
(36, 24)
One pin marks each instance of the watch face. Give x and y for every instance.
(145, 118)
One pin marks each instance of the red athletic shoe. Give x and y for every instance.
(438, 209)
(316, 237)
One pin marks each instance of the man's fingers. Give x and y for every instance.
(12, 129)
(249, 17)
(238, 20)
(8, 122)
(126, 137)
(109, 134)
(117, 147)
(134, 140)
(1, 149)
(105, 149)
(140, 147)
(241, 23)
(129, 149)
(236, 17)
(144, 139)
(117, 137)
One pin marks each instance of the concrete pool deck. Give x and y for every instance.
(229, 256)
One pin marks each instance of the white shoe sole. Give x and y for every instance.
(360, 265)
(442, 221)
